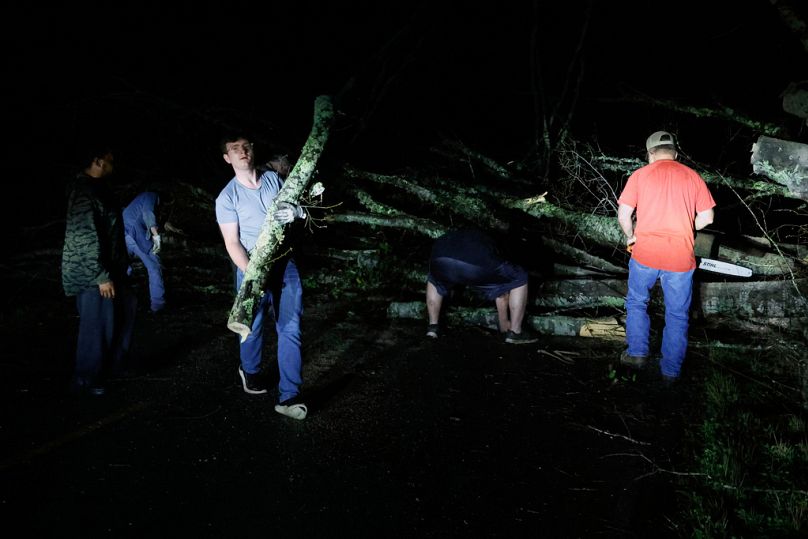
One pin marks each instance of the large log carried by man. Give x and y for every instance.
(265, 252)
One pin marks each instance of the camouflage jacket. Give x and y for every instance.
(94, 250)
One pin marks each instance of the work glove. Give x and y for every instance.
(288, 212)
(156, 244)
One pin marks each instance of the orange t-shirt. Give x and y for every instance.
(667, 195)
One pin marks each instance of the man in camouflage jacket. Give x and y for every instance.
(94, 270)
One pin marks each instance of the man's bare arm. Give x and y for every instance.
(624, 214)
(238, 254)
(704, 218)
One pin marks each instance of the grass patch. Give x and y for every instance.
(751, 449)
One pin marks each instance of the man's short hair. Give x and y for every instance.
(230, 137)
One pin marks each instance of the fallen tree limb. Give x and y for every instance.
(263, 255)
(405, 222)
(473, 209)
(721, 112)
(464, 151)
(767, 264)
(597, 228)
(582, 257)
(605, 231)
(627, 165)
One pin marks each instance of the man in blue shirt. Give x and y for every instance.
(241, 209)
(143, 241)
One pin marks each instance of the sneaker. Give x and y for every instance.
(292, 408)
(635, 362)
(82, 386)
(433, 330)
(252, 383)
(668, 381)
(525, 337)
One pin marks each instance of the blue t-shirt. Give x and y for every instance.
(248, 207)
(138, 218)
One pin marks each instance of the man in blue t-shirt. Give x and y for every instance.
(143, 241)
(241, 209)
(468, 257)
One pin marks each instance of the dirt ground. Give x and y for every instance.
(460, 437)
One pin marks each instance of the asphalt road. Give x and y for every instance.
(461, 437)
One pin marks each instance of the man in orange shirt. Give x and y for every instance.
(671, 201)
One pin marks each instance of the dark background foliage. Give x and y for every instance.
(164, 79)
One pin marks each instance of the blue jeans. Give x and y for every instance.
(105, 332)
(677, 289)
(284, 299)
(151, 261)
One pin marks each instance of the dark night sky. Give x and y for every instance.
(424, 69)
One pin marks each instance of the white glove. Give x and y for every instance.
(156, 241)
(288, 212)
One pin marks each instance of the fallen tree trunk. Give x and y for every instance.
(570, 294)
(762, 303)
(755, 300)
(784, 162)
(264, 254)
(758, 300)
(603, 327)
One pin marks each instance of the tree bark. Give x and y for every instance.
(760, 302)
(603, 327)
(597, 228)
(471, 208)
(402, 221)
(582, 257)
(264, 254)
(784, 162)
(793, 21)
(795, 100)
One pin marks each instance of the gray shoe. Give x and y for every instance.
(525, 337)
(635, 362)
(433, 330)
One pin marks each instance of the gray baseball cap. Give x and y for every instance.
(660, 138)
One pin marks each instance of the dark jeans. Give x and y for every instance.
(105, 332)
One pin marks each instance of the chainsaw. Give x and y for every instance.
(716, 266)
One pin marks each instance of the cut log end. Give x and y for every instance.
(237, 327)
